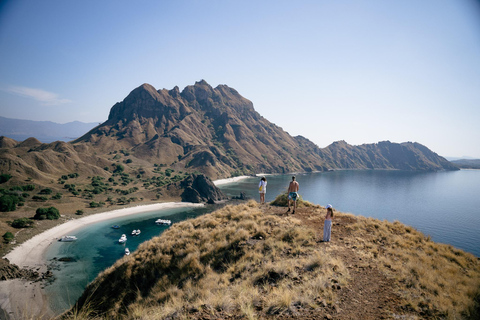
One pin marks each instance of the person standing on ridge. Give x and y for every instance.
(293, 194)
(327, 227)
(262, 189)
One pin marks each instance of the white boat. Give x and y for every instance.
(138, 232)
(134, 232)
(127, 252)
(68, 238)
(163, 222)
(122, 239)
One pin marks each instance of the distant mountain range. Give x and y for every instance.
(467, 163)
(44, 131)
(214, 131)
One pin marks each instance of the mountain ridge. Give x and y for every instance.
(214, 131)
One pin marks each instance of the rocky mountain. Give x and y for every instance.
(44, 131)
(384, 155)
(214, 131)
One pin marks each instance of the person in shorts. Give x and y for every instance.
(293, 194)
(262, 189)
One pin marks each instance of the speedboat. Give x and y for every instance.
(127, 252)
(122, 239)
(67, 238)
(163, 222)
(134, 232)
(138, 232)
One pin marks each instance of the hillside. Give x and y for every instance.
(467, 163)
(384, 155)
(255, 262)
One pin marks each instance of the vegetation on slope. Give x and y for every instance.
(251, 261)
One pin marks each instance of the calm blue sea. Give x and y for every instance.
(444, 205)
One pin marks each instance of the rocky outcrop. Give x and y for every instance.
(198, 188)
(12, 271)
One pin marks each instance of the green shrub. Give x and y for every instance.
(22, 223)
(50, 213)
(94, 204)
(28, 187)
(8, 236)
(39, 198)
(8, 203)
(4, 177)
(57, 196)
(46, 191)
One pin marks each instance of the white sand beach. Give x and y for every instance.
(30, 254)
(230, 180)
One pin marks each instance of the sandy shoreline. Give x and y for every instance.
(230, 180)
(30, 254)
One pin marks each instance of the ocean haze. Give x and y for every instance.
(44, 131)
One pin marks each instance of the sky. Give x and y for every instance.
(360, 71)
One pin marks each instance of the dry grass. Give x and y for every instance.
(282, 201)
(435, 280)
(240, 261)
(235, 260)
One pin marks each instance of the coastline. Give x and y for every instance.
(230, 180)
(30, 254)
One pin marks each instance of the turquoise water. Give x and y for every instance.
(97, 248)
(444, 205)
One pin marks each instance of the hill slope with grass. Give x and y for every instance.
(255, 262)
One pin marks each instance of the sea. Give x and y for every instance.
(444, 205)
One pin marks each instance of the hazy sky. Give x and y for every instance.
(359, 71)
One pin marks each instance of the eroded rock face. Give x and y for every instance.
(198, 188)
(12, 271)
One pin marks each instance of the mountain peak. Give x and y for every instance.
(202, 83)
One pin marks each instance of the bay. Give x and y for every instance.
(444, 205)
(97, 248)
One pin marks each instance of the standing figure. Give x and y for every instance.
(327, 227)
(293, 194)
(262, 189)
